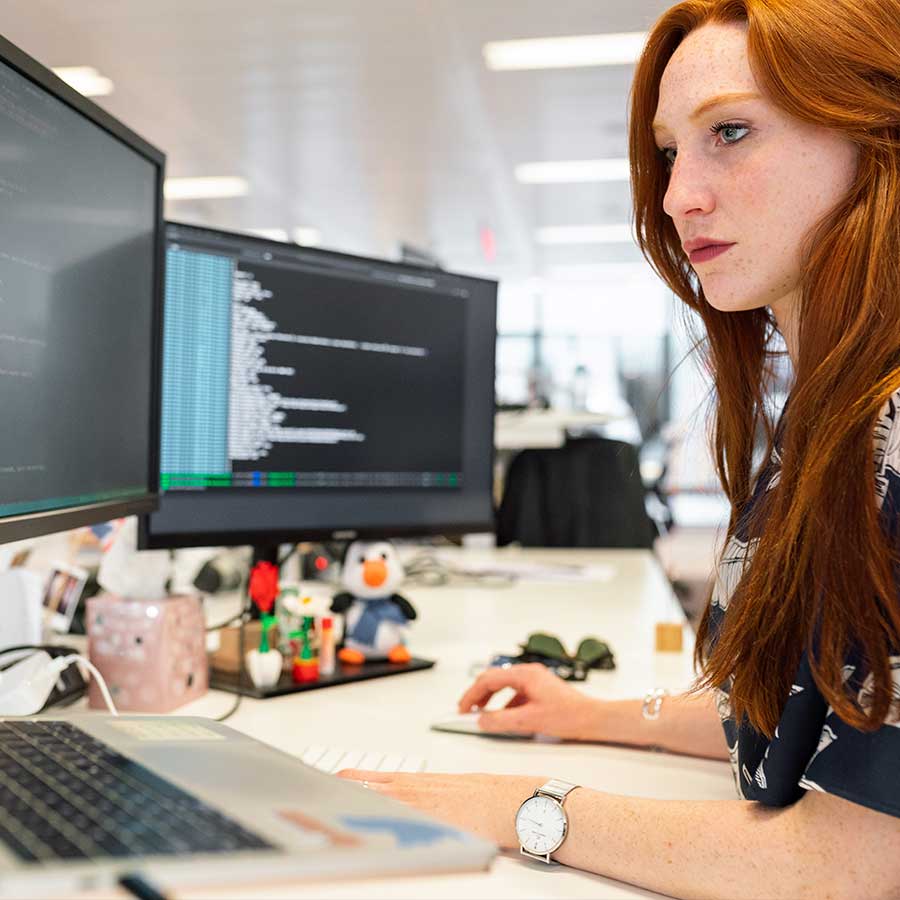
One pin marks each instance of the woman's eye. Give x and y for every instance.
(730, 132)
(669, 153)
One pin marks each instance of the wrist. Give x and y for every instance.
(623, 722)
(583, 810)
(599, 721)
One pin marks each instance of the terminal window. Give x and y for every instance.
(278, 374)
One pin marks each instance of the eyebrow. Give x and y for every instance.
(711, 103)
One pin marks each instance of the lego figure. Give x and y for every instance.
(264, 664)
(305, 667)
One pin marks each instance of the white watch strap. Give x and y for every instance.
(557, 789)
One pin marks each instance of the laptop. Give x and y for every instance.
(188, 801)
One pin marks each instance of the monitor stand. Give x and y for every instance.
(240, 683)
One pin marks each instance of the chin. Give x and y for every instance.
(733, 301)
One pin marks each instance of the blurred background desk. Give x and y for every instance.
(530, 428)
(619, 597)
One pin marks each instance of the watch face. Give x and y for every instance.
(541, 825)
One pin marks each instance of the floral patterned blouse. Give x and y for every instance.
(813, 750)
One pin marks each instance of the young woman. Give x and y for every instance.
(765, 155)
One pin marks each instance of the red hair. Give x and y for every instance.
(823, 580)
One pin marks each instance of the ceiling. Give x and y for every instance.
(374, 121)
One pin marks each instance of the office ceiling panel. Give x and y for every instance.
(373, 121)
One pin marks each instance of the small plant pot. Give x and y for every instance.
(264, 668)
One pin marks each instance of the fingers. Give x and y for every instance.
(477, 694)
(405, 786)
(370, 778)
(506, 721)
(494, 679)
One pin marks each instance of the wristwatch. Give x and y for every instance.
(541, 822)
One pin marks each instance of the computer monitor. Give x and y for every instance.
(316, 395)
(81, 254)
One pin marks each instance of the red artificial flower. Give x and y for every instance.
(264, 585)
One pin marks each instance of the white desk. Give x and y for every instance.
(459, 626)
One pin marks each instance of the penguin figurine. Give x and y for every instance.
(375, 618)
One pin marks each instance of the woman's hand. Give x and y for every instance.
(543, 704)
(485, 805)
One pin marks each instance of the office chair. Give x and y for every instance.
(588, 493)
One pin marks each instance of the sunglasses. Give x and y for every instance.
(548, 649)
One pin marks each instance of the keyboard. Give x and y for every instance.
(329, 759)
(66, 795)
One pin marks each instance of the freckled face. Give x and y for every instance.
(744, 175)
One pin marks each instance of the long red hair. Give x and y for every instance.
(823, 579)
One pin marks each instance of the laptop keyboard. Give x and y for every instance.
(330, 759)
(66, 795)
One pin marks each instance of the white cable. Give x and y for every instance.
(63, 663)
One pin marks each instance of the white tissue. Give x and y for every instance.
(129, 572)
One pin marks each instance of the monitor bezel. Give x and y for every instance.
(31, 525)
(148, 540)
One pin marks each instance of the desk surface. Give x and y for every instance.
(463, 625)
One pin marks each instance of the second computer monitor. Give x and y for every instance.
(309, 394)
(81, 258)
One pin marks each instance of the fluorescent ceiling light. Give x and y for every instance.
(208, 188)
(273, 234)
(306, 237)
(565, 52)
(573, 171)
(86, 80)
(585, 234)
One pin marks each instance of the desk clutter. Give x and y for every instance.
(154, 655)
(226, 672)
(302, 642)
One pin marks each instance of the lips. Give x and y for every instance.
(705, 254)
(703, 249)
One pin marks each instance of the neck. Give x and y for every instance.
(786, 315)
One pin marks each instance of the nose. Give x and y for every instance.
(690, 190)
(374, 573)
